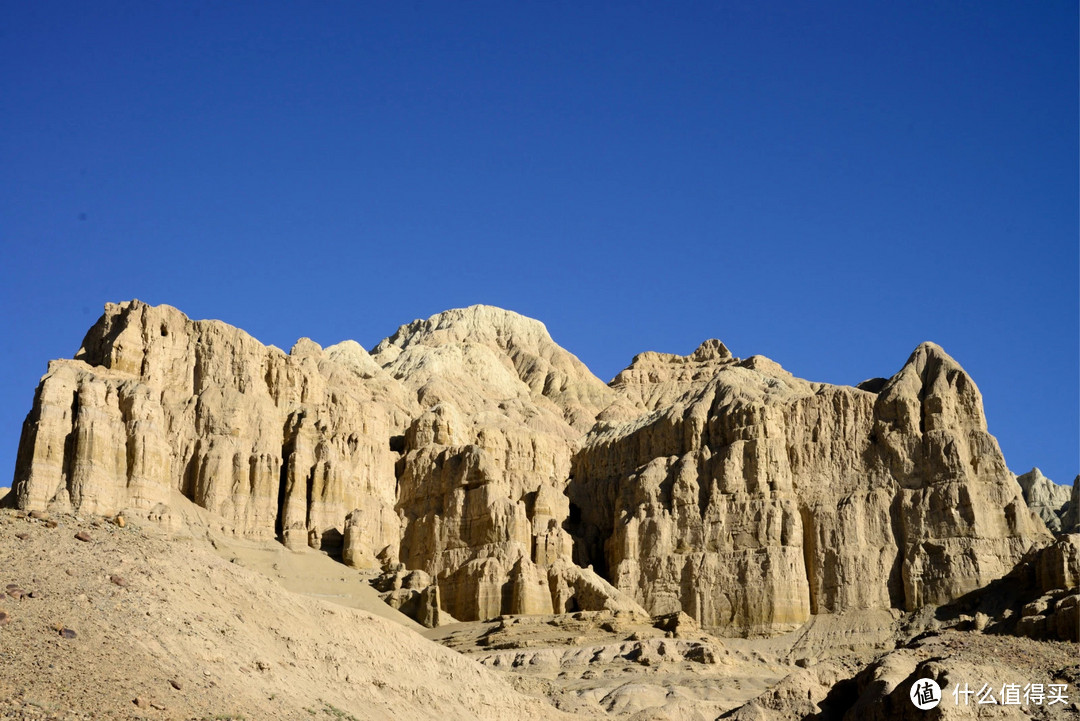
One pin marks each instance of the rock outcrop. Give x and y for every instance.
(1055, 612)
(274, 443)
(1048, 500)
(454, 457)
(472, 449)
(486, 462)
(756, 499)
(1070, 514)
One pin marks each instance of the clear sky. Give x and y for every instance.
(827, 184)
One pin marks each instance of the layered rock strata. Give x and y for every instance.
(472, 448)
(454, 457)
(486, 462)
(274, 443)
(756, 499)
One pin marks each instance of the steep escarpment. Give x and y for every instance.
(274, 443)
(473, 456)
(486, 462)
(453, 457)
(756, 499)
(1050, 501)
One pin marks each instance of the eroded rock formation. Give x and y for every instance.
(486, 462)
(472, 449)
(272, 442)
(755, 498)
(1048, 500)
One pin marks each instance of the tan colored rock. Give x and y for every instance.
(964, 522)
(756, 498)
(678, 624)
(273, 443)
(506, 354)
(481, 483)
(1058, 565)
(453, 458)
(370, 533)
(423, 605)
(471, 447)
(656, 380)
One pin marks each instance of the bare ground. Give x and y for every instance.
(203, 626)
(152, 613)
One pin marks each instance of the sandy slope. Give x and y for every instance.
(235, 641)
(255, 631)
(311, 573)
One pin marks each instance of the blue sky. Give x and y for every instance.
(827, 184)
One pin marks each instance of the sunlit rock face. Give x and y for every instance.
(453, 458)
(274, 443)
(471, 447)
(755, 498)
(487, 460)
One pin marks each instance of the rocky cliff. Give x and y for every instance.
(472, 448)
(272, 442)
(453, 457)
(1050, 501)
(753, 499)
(486, 461)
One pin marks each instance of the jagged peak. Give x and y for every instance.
(711, 349)
(929, 365)
(352, 355)
(1036, 477)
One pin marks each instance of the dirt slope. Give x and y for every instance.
(149, 611)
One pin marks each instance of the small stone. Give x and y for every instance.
(16, 593)
(157, 706)
(11, 586)
(119, 521)
(140, 702)
(175, 684)
(34, 594)
(5, 619)
(22, 536)
(67, 633)
(262, 665)
(70, 571)
(51, 524)
(119, 581)
(96, 523)
(83, 536)
(40, 515)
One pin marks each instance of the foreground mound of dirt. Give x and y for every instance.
(102, 621)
